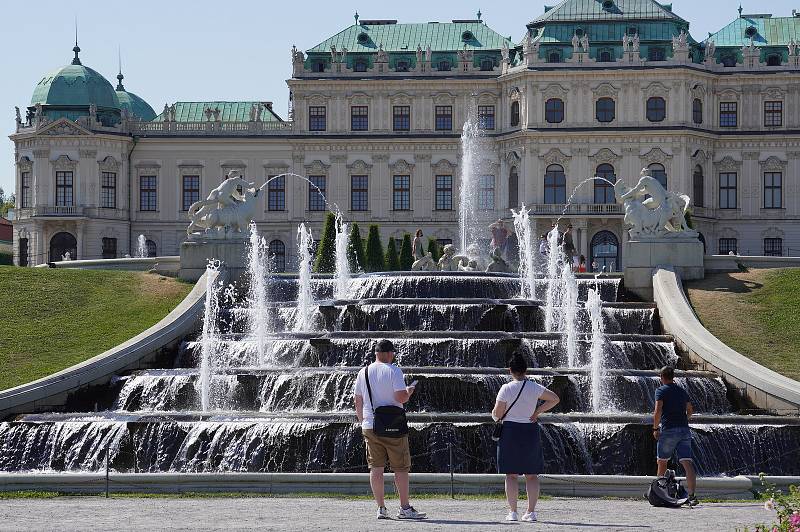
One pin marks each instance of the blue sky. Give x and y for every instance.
(233, 50)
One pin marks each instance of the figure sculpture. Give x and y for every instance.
(585, 43)
(575, 43)
(636, 43)
(19, 117)
(449, 261)
(498, 264)
(229, 208)
(651, 211)
(711, 49)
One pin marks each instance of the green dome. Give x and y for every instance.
(75, 85)
(132, 103)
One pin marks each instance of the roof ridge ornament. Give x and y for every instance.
(356, 16)
(120, 77)
(76, 60)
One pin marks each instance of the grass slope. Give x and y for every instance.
(756, 313)
(53, 319)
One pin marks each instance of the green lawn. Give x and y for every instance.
(756, 313)
(53, 318)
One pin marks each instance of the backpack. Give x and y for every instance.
(667, 492)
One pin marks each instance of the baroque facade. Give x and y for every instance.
(376, 112)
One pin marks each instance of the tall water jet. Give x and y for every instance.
(141, 247)
(258, 316)
(527, 274)
(472, 154)
(569, 311)
(594, 306)
(341, 289)
(208, 337)
(305, 296)
(553, 297)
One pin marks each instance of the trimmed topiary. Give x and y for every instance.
(406, 255)
(434, 250)
(392, 257)
(325, 261)
(355, 249)
(375, 260)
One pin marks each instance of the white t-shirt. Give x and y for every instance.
(527, 402)
(384, 380)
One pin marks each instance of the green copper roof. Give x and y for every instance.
(74, 84)
(580, 10)
(444, 36)
(134, 104)
(229, 112)
(776, 31)
(608, 32)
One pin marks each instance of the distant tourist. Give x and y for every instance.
(519, 450)
(417, 247)
(381, 392)
(499, 236)
(671, 428)
(543, 245)
(582, 264)
(569, 245)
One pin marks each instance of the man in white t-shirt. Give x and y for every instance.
(387, 388)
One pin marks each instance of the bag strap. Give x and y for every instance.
(524, 382)
(369, 389)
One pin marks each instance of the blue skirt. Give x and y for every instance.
(519, 450)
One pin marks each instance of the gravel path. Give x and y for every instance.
(95, 513)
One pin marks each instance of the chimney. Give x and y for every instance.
(269, 105)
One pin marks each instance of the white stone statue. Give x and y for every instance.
(575, 43)
(504, 52)
(449, 261)
(428, 54)
(626, 41)
(653, 212)
(424, 264)
(227, 211)
(382, 56)
(636, 43)
(792, 48)
(18, 117)
(419, 54)
(711, 49)
(333, 54)
(585, 43)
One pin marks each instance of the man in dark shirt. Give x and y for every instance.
(671, 428)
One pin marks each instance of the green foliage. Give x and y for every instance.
(434, 249)
(355, 249)
(375, 259)
(392, 257)
(787, 507)
(6, 203)
(325, 261)
(406, 255)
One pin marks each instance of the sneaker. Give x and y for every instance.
(692, 500)
(530, 517)
(512, 516)
(410, 513)
(383, 513)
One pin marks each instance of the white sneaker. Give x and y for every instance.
(512, 516)
(530, 517)
(383, 513)
(410, 513)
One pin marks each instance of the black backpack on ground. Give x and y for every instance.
(667, 492)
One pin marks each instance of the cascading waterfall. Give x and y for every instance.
(597, 353)
(341, 289)
(527, 273)
(473, 152)
(305, 296)
(258, 316)
(553, 297)
(141, 247)
(569, 312)
(208, 338)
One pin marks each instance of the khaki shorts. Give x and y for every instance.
(381, 450)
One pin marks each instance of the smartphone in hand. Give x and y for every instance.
(413, 384)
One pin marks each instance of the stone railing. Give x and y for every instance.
(51, 210)
(557, 209)
(145, 129)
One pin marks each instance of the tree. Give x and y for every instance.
(355, 249)
(406, 255)
(375, 260)
(434, 250)
(392, 258)
(325, 261)
(6, 202)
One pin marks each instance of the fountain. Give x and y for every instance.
(473, 152)
(208, 338)
(258, 318)
(305, 297)
(342, 276)
(527, 272)
(597, 349)
(141, 247)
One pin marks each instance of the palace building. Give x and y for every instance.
(589, 87)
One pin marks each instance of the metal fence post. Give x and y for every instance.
(108, 446)
(450, 448)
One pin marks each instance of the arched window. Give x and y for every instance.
(698, 186)
(773, 60)
(513, 188)
(360, 66)
(604, 251)
(555, 185)
(60, 244)
(656, 53)
(554, 111)
(605, 109)
(444, 65)
(402, 66)
(515, 113)
(318, 66)
(277, 254)
(554, 56)
(729, 60)
(606, 57)
(152, 250)
(697, 111)
(604, 191)
(657, 171)
(487, 64)
(656, 109)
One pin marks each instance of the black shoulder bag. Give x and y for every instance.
(498, 426)
(390, 420)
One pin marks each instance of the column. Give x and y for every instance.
(41, 177)
(381, 187)
(422, 190)
(338, 186)
(87, 179)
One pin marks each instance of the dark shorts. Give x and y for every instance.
(674, 441)
(519, 450)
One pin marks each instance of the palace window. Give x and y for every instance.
(317, 189)
(401, 193)
(486, 193)
(697, 111)
(656, 109)
(276, 193)
(773, 247)
(444, 65)
(486, 116)
(728, 60)
(360, 66)
(727, 245)
(487, 64)
(555, 185)
(25, 198)
(147, 193)
(659, 173)
(605, 109)
(603, 191)
(727, 190)
(318, 66)
(108, 190)
(64, 189)
(277, 254)
(514, 113)
(656, 53)
(150, 246)
(401, 66)
(109, 248)
(698, 186)
(606, 56)
(359, 118)
(773, 114)
(23, 252)
(513, 188)
(444, 118)
(554, 56)
(554, 111)
(773, 187)
(444, 192)
(773, 60)
(728, 114)
(401, 118)
(317, 118)
(191, 190)
(359, 193)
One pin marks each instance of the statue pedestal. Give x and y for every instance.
(195, 255)
(684, 253)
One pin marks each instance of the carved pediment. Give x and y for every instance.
(656, 89)
(443, 167)
(443, 98)
(728, 164)
(359, 98)
(699, 91)
(656, 155)
(317, 167)
(64, 163)
(515, 93)
(555, 91)
(275, 168)
(605, 156)
(773, 164)
(605, 90)
(774, 93)
(109, 164)
(401, 167)
(25, 164)
(772, 232)
(359, 167)
(513, 158)
(727, 232)
(729, 95)
(401, 98)
(555, 156)
(700, 156)
(486, 98)
(317, 99)
(63, 127)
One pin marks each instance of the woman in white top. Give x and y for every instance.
(519, 451)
